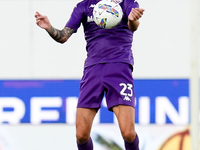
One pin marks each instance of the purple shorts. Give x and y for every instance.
(114, 80)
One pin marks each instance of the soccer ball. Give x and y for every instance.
(107, 14)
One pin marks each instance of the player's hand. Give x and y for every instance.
(135, 14)
(42, 21)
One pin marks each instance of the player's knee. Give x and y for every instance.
(128, 135)
(82, 138)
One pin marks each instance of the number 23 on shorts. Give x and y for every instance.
(126, 91)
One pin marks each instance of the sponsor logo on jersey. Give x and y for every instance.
(90, 19)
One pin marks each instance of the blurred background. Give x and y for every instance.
(39, 79)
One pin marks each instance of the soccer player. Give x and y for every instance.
(107, 70)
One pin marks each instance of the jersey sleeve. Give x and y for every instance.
(76, 17)
(131, 4)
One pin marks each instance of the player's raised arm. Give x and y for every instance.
(133, 18)
(60, 36)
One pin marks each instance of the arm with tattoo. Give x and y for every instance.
(60, 36)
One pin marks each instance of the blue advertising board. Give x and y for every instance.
(54, 101)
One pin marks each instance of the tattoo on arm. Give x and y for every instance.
(60, 36)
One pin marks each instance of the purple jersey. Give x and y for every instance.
(104, 45)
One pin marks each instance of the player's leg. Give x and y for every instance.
(84, 119)
(126, 119)
(120, 99)
(90, 97)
